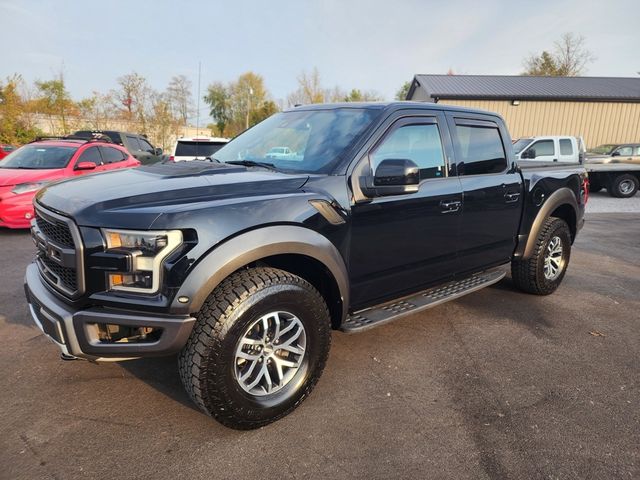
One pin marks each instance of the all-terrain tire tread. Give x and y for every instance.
(525, 273)
(204, 346)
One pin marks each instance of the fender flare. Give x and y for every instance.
(254, 245)
(562, 196)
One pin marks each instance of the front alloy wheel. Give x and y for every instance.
(270, 353)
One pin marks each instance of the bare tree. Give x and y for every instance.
(134, 98)
(569, 58)
(309, 89)
(180, 97)
(571, 55)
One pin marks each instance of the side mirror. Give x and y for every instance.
(531, 153)
(393, 177)
(615, 154)
(157, 151)
(86, 166)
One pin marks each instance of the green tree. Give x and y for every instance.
(240, 104)
(356, 95)
(55, 101)
(14, 130)
(403, 91)
(267, 109)
(217, 98)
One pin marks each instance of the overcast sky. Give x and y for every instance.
(371, 45)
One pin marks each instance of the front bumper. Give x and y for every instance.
(75, 331)
(16, 211)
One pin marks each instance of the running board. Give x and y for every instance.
(381, 314)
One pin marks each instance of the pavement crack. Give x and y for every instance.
(37, 455)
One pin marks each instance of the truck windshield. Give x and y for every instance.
(311, 141)
(39, 157)
(521, 144)
(603, 149)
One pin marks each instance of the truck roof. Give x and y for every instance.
(392, 106)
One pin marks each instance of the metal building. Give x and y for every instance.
(600, 109)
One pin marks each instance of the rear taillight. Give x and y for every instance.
(172, 158)
(585, 189)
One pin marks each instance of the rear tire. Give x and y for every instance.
(543, 272)
(624, 186)
(242, 364)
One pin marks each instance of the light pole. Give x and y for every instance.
(246, 126)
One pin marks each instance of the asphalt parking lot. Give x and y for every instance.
(498, 384)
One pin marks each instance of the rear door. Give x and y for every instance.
(89, 154)
(492, 190)
(113, 158)
(402, 242)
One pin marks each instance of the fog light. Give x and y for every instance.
(113, 333)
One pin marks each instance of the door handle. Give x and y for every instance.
(450, 207)
(512, 197)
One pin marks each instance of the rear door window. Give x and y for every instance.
(479, 148)
(112, 155)
(91, 154)
(197, 149)
(566, 147)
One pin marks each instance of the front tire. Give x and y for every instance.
(258, 348)
(543, 272)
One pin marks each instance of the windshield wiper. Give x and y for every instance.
(252, 163)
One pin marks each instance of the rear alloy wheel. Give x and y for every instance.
(624, 186)
(257, 349)
(544, 270)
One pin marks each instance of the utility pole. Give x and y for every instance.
(198, 103)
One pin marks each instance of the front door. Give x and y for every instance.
(404, 242)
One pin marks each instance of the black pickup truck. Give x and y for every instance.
(244, 265)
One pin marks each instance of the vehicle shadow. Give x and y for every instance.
(510, 306)
(162, 374)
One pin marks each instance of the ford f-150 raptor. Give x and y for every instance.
(245, 264)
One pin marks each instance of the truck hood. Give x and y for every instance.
(16, 176)
(134, 198)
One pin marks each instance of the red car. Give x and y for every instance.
(26, 170)
(5, 150)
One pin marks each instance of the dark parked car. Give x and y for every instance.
(137, 145)
(244, 266)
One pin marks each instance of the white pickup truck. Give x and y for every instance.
(550, 149)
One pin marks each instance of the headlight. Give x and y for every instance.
(146, 250)
(28, 187)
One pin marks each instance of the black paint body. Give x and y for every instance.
(391, 245)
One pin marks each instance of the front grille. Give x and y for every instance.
(57, 274)
(55, 231)
(60, 252)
